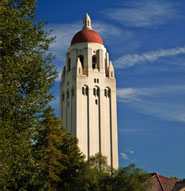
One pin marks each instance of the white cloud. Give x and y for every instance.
(131, 152)
(64, 34)
(143, 13)
(130, 94)
(133, 59)
(152, 101)
(124, 156)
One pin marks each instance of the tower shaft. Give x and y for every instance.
(88, 98)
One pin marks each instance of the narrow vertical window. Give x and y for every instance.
(81, 60)
(94, 91)
(72, 92)
(86, 91)
(83, 90)
(94, 80)
(105, 92)
(67, 94)
(69, 64)
(97, 80)
(98, 91)
(109, 93)
(94, 62)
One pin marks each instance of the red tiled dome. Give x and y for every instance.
(87, 35)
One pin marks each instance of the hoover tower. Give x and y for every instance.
(88, 95)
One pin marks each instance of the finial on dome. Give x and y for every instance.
(87, 22)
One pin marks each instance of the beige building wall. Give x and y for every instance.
(88, 100)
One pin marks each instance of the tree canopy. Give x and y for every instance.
(27, 74)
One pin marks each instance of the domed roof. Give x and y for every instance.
(87, 34)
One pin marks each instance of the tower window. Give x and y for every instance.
(86, 90)
(94, 62)
(81, 60)
(96, 101)
(94, 80)
(109, 93)
(69, 64)
(105, 93)
(97, 80)
(83, 90)
(72, 92)
(98, 91)
(63, 97)
(94, 91)
(67, 94)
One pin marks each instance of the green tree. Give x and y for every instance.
(74, 163)
(59, 160)
(127, 179)
(91, 174)
(48, 141)
(26, 76)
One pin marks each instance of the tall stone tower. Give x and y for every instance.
(88, 95)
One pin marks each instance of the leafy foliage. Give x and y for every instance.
(26, 76)
(48, 140)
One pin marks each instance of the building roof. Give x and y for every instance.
(87, 34)
(161, 183)
(179, 186)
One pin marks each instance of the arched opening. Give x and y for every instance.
(63, 96)
(96, 91)
(67, 94)
(81, 57)
(72, 92)
(85, 90)
(69, 65)
(94, 62)
(107, 92)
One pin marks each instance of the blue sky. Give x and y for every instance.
(146, 43)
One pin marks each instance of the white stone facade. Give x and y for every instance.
(88, 100)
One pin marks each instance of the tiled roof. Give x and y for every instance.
(161, 183)
(87, 35)
(179, 186)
